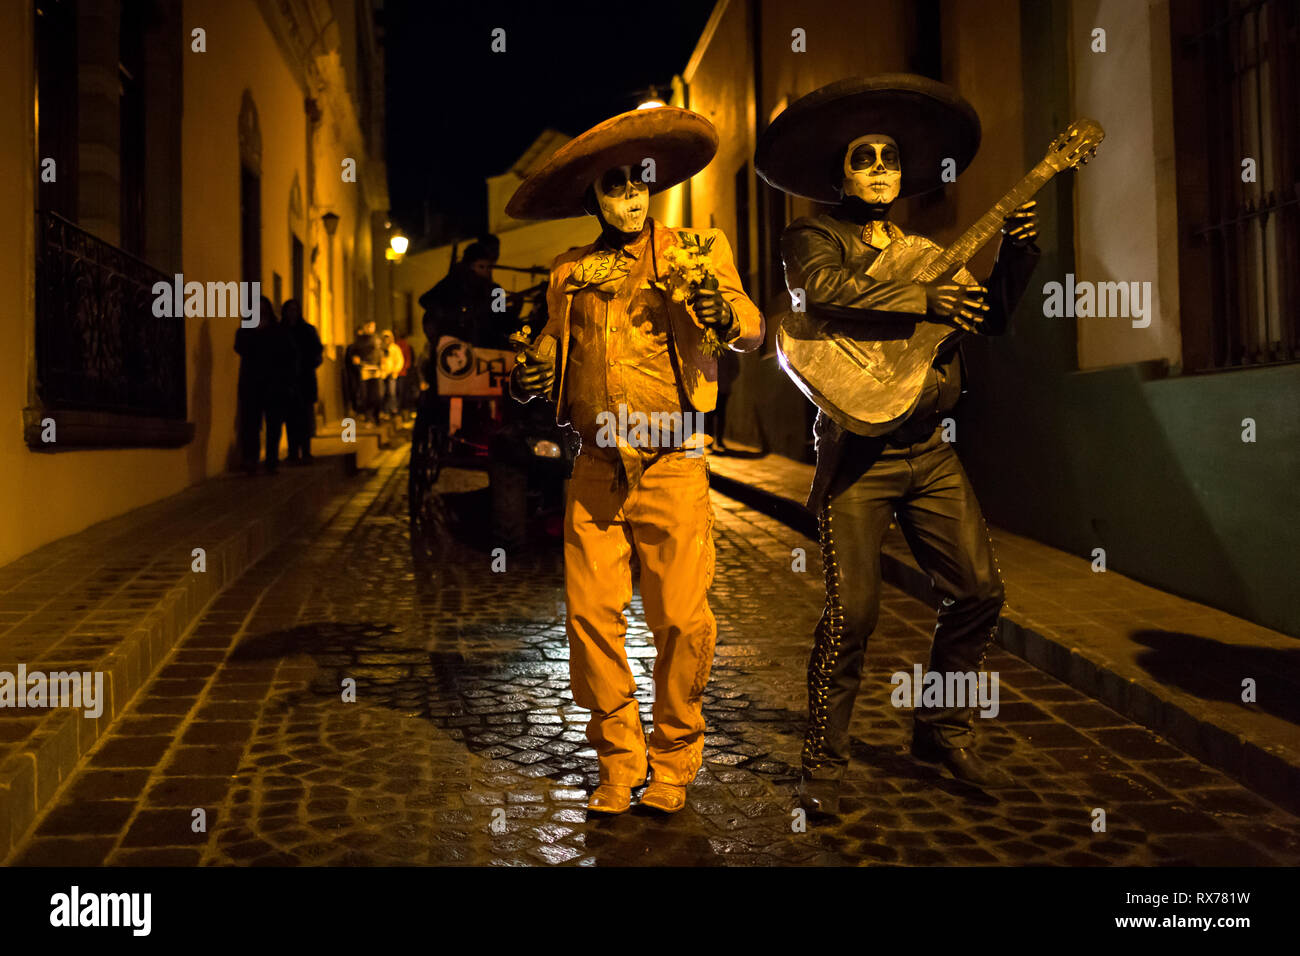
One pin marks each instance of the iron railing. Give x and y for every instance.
(99, 346)
(1250, 54)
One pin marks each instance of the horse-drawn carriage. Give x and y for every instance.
(466, 418)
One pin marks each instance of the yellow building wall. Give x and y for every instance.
(721, 90)
(981, 60)
(843, 39)
(50, 495)
(360, 280)
(241, 55)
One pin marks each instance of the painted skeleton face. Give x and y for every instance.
(872, 170)
(623, 198)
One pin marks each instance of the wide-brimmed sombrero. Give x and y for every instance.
(680, 142)
(802, 151)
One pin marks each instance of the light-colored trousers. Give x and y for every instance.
(668, 519)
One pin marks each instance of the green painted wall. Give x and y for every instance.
(1154, 470)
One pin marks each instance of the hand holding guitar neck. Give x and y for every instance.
(1021, 226)
(963, 305)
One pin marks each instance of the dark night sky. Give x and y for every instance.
(458, 112)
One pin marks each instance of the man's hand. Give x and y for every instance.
(537, 372)
(1021, 227)
(712, 309)
(964, 305)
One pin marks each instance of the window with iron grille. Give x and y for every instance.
(108, 370)
(1236, 73)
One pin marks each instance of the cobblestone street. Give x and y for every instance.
(463, 745)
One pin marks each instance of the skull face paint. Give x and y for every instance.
(872, 169)
(623, 198)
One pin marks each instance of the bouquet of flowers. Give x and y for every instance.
(690, 268)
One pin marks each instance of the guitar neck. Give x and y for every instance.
(989, 224)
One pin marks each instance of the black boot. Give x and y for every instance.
(962, 763)
(819, 795)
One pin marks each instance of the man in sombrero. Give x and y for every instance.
(859, 145)
(625, 338)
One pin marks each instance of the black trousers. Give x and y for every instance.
(351, 389)
(300, 423)
(926, 489)
(252, 409)
(371, 399)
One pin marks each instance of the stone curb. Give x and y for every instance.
(30, 778)
(1271, 772)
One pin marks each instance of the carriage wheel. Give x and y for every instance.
(425, 465)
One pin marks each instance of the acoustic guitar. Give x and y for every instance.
(870, 385)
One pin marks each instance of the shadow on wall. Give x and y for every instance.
(234, 456)
(1212, 670)
(201, 405)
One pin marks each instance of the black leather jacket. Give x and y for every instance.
(826, 256)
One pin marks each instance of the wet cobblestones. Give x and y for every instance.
(463, 745)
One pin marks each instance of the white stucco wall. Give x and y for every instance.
(1126, 227)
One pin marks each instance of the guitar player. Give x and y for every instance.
(860, 144)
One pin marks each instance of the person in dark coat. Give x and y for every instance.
(351, 377)
(268, 385)
(858, 145)
(301, 420)
(367, 359)
(460, 306)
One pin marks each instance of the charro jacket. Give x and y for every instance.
(698, 369)
(827, 257)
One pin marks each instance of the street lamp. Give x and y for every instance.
(651, 100)
(397, 246)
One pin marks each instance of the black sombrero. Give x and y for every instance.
(680, 142)
(802, 151)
